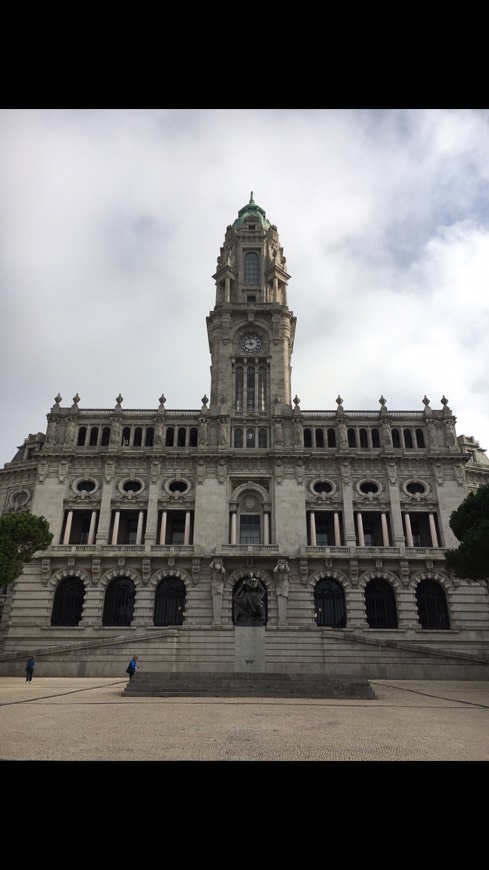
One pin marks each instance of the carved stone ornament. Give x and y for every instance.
(96, 570)
(45, 571)
(146, 571)
(304, 571)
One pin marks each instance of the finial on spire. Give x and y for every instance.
(251, 197)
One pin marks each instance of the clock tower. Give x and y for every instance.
(251, 329)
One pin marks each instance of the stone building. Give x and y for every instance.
(159, 517)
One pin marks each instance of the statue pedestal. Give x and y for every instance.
(249, 649)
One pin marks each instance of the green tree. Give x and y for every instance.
(470, 524)
(21, 536)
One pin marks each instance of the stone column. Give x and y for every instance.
(69, 521)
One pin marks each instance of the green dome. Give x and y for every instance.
(251, 210)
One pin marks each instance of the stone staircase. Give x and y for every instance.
(247, 685)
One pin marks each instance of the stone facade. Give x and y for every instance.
(342, 515)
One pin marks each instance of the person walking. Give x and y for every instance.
(29, 668)
(132, 667)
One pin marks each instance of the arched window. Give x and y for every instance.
(396, 438)
(120, 597)
(238, 437)
(68, 602)
(251, 268)
(432, 606)
(250, 437)
(375, 438)
(329, 603)
(250, 520)
(352, 438)
(262, 438)
(126, 436)
(420, 438)
(169, 602)
(250, 387)
(239, 388)
(182, 434)
(331, 438)
(262, 388)
(170, 434)
(380, 603)
(363, 438)
(82, 434)
(319, 438)
(307, 438)
(193, 436)
(408, 438)
(93, 436)
(105, 436)
(138, 436)
(149, 438)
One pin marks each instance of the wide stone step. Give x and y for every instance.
(266, 685)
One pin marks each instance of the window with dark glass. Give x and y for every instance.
(249, 529)
(380, 603)
(250, 437)
(251, 268)
(329, 603)
(169, 606)
(250, 387)
(68, 602)
(432, 606)
(322, 529)
(408, 438)
(119, 601)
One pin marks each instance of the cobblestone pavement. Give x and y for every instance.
(89, 719)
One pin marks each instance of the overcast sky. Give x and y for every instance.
(111, 222)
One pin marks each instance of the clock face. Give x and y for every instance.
(251, 343)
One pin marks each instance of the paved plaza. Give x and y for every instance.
(90, 719)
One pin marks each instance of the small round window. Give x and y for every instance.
(85, 485)
(321, 486)
(178, 486)
(369, 486)
(21, 498)
(132, 486)
(414, 488)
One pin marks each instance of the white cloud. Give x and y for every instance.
(111, 223)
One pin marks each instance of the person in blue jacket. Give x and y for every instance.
(132, 667)
(29, 668)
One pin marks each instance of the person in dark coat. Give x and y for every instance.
(132, 667)
(29, 668)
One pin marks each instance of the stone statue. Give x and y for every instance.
(51, 433)
(279, 434)
(218, 576)
(223, 433)
(343, 436)
(203, 435)
(70, 430)
(249, 602)
(298, 433)
(282, 572)
(115, 433)
(386, 429)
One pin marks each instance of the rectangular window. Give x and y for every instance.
(369, 533)
(249, 529)
(322, 530)
(131, 531)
